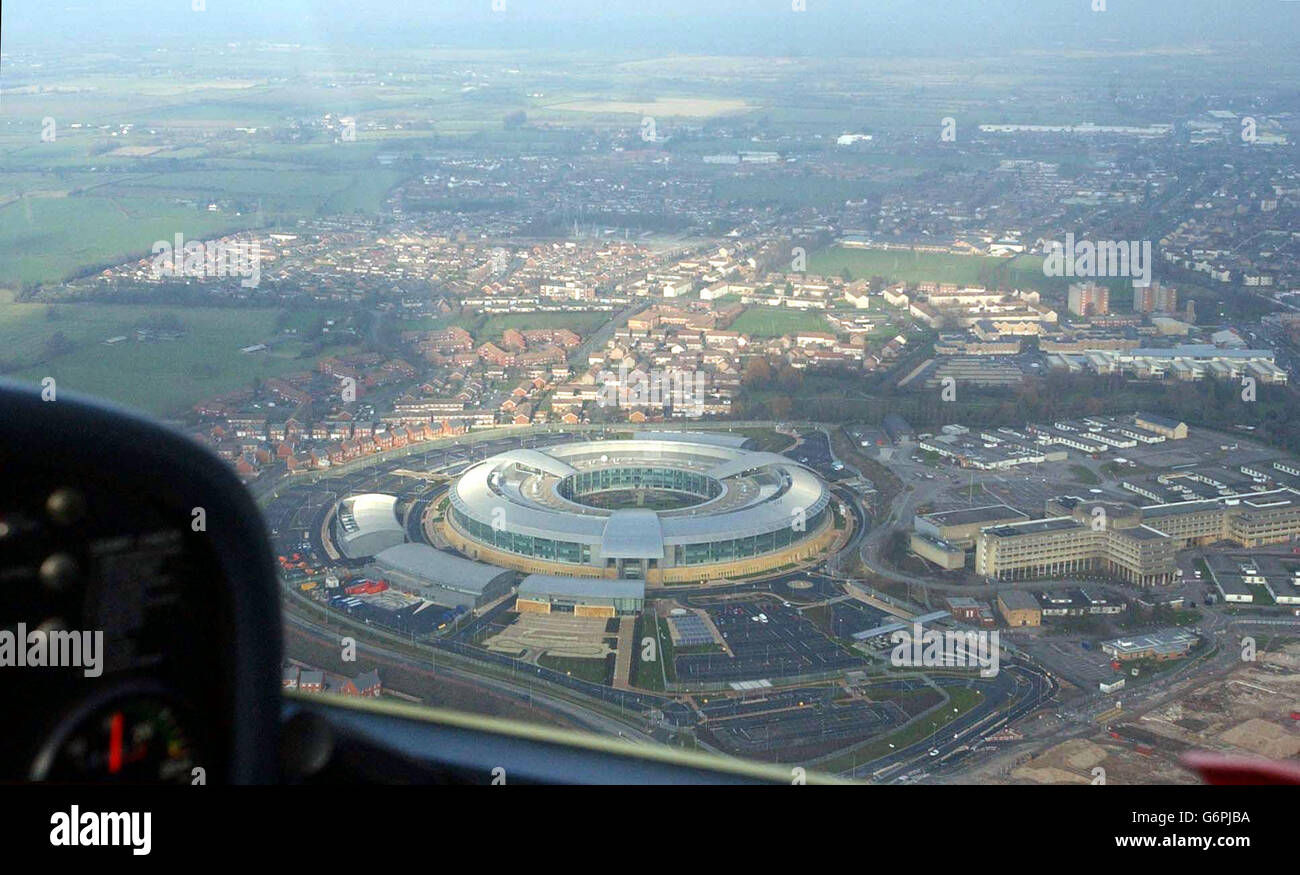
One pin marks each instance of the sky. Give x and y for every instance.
(753, 27)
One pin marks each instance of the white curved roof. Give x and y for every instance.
(748, 462)
(643, 533)
(367, 524)
(437, 566)
(539, 460)
(370, 512)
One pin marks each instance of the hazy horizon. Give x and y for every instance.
(729, 27)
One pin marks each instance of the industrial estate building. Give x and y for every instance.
(678, 508)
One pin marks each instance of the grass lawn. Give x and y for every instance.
(595, 670)
(1084, 475)
(1261, 594)
(774, 322)
(649, 675)
(766, 440)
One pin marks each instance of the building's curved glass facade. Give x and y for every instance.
(704, 553)
(744, 548)
(648, 507)
(575, 486)
(524, 545)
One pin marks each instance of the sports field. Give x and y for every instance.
(1024, 272)
(773, 322)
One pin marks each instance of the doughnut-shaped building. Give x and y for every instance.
(659, 510)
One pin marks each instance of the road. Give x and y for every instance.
(1019, 689)
(532, 692)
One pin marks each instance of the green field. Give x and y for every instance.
(1025, 272)
(45, 239)
(649, 675)
(80, 201)
(773, 322)
(163, 377)
(596, 671)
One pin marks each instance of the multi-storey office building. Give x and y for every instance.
(1136, 545)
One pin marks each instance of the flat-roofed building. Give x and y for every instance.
(942, 553)
(1134, 544)
(963, 608)
(1251, 520)
(1093, 536)
(1161, 645)
(961, 527)
(1036, 548)
(1088, 299)
(1019, 608)
(1078, 603)
(969, 610)
(580, 596)
(1239, 577)
(1229, 578)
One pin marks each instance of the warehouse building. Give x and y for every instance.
(1019, 608)
(1173, 429)
(442, 577)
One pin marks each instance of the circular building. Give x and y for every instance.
(652, 509)
(367, 524)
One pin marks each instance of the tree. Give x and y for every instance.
(758, 372)
(57, 345)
